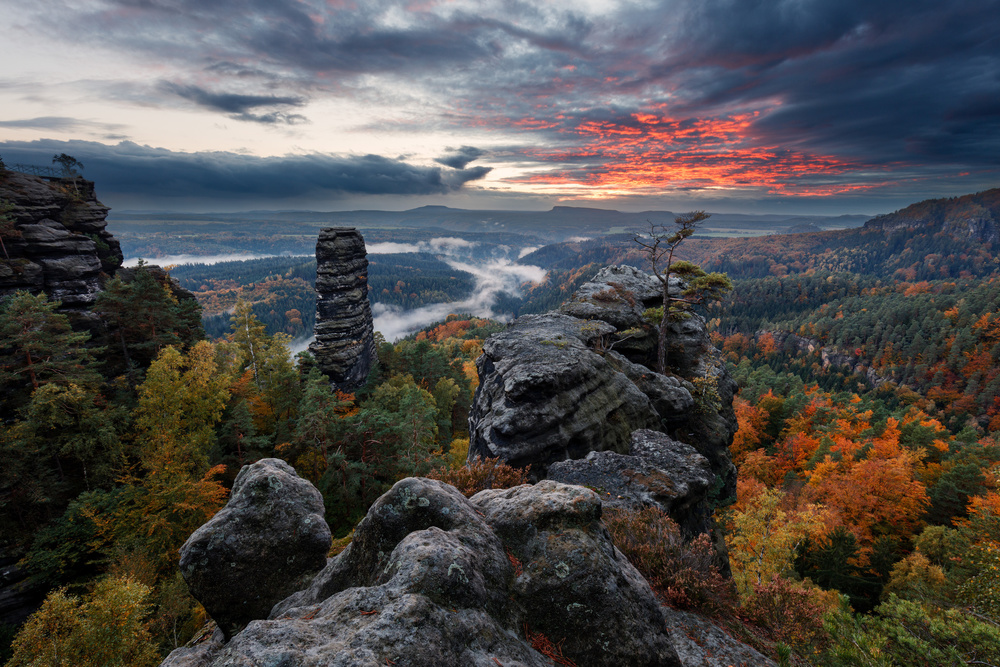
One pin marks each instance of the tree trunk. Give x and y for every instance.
(661, 339)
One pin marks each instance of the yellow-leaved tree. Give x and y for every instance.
(764, 537)
(105, 628)
(174, 491)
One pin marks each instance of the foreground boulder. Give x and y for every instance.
(267, 542)
(434, 578)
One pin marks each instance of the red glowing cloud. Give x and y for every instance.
(650, 151)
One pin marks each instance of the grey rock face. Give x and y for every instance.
(433, 578)
(559, 386)
(345, 345)
(619, 295)
(63, 248)
(701, 643)
(575, 586)
(658, 471)
(546, 394)
(267, 542)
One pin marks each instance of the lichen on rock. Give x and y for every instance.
(267, 542)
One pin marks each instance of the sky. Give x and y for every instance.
(796, 106)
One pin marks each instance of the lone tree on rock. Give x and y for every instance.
(695, 286)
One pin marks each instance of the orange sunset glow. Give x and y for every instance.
(649, 152)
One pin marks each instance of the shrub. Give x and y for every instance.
(104, 629)
(902, 633)
(788, 613)
(481, 474)
(683, 573)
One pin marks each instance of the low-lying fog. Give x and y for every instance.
(492, 267)
(177, 260)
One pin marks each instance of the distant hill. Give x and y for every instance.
(561, 223)
(975, 216)
(934, 239)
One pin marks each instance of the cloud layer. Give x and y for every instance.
(807, 98)
(130, 169)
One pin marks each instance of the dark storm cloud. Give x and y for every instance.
(904, 86)
(899, 90)
(282, 33)
(459, 158)
(240, 106)
(156, 173)
(229, 102)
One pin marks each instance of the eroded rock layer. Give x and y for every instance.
(59, 243)
(345, 345)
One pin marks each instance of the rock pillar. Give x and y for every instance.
(345, 345)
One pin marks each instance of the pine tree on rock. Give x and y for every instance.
(698, 287)
(40, 347)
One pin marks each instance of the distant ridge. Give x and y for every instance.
(556, 224)
(974, 216)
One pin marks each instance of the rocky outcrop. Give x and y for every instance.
(345, 345)
(546, 394)
(559, 386)
(266, 543)
(790, 343)
(657, 472)
(434, 578)
(975, 217)
(59, 244)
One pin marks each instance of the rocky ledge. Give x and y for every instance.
(345, 345)
(59, 243)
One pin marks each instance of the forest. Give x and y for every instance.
(866, 528)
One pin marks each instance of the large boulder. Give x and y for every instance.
(546, 394)
(434, 578)
(657, 472)
(559, 386)
(574, 585)
(266, 543)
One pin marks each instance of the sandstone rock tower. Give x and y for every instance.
(345, 344)
(58, 243)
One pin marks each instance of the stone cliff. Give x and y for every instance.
(975, 217)
(58, 243)
(345, 345)
(566, 386)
